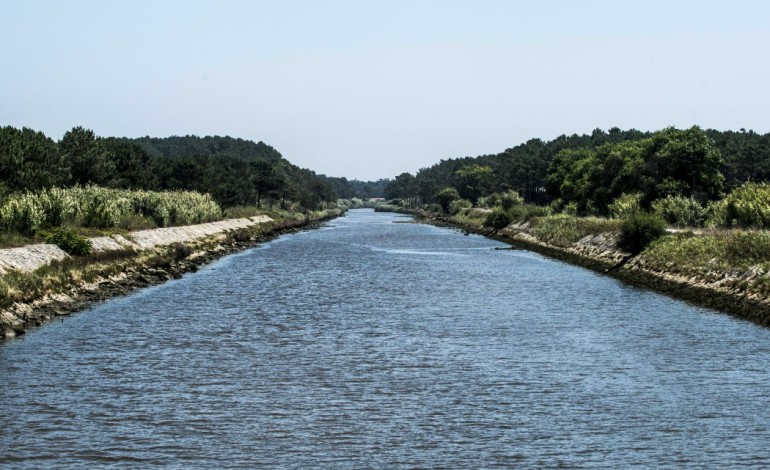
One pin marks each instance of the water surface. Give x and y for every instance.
(374, 343)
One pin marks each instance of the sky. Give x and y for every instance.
(371, 89)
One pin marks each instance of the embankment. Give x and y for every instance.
(739, 292)
(41, 282)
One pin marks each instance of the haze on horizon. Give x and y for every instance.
(371, 89)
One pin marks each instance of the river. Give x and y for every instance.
(374, 342)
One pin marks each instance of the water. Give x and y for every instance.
(371, 343)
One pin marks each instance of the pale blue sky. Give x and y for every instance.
(370, 89)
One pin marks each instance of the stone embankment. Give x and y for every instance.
(28, 258)
(196, 244)
(717, 290)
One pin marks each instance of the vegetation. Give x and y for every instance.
(747, 206)
(564, 230)
(69, 241)
(586, 174)
(233, 171)
(103, 208)
(639, 230)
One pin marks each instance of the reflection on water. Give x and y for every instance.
(378, 344)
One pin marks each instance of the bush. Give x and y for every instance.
(446, 196)
(58, 206)
(510, 198)
(21, 213)
(680, 211)
(459, 204)
(748, 206)
(498, 219)
(625, 206)
(69, 241)
(640, 230)
(525, 212)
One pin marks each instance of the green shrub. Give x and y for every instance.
(58, 206)
(716, 214)
(510, 198)
(526, 212)
(639, 230)
(498, 219)
(748, 206)
(69, 241)
(680, 211)
(446, 196)
(459, 204)
(625, 206)
(21, 213)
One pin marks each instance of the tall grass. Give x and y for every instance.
(103, 208)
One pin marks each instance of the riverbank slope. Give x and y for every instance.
(41, 282)
(697, 268)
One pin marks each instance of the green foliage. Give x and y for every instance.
(680, 211)
(748, 206)
(670, 162)
(100, 211)
(498, 219)
(29, 161)
(526, 212)
(509, 199)
(58, 206)
(640, 230)
(90, 161)
(104, 208)
(720, 252)
(445, 198)
(69, 241)
(625, 206)
(21, 213)
(564, 229)
(473, 181)
(459, 204)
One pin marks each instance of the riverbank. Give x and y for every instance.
(40, 283)
(677, 265)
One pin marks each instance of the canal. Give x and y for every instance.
(375, 342)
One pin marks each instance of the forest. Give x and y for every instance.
(587, 173)
(233, 171)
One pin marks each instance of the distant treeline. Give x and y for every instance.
(588, 172)
(234, 171)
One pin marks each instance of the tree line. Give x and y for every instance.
(233, 171)
(588, 172)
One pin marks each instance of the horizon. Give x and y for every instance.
(368, 90)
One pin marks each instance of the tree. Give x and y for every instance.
(90, 160)
(446, 196)
(263, 178)
(473, 181)
(30, 161)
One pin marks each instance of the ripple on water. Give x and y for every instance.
(379, 344)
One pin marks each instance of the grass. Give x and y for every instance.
(472, 217)
(726, 251)
(564, 230)
(60, 276)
